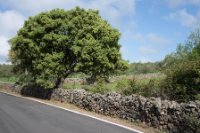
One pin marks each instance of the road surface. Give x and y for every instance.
(18, 115)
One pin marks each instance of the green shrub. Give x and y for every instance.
(25, 80)
(144, 87)
(151, 88)
(132, 87)
(127, 87)
(72, 86)
(88, 88)
(121, 84)
(197, 97)
(100, 87)
(191, 124)
(183, 81)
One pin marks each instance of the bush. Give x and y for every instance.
(145, 87)
(72, 86)
(183, 81)
(121, 85)
(151, 88)
(100, 87)
(191, 124)
(127, 87)
(197, 97)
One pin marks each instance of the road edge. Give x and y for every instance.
(75, 112)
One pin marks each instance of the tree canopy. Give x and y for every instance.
(54, 44)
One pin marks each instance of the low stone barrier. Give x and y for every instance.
(162, 114)
(76, 80)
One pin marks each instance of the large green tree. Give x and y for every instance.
(54, 44)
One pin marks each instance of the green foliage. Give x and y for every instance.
(184, 52)
(6, 70)
(121, 84)
(197, 97)
(100, 87)
(144, 87)
(183, 82)
(127, 87)
(183, 70)
(72, 86)
(193, 43)
(24, 80)
(151, 88)
(191, 124)
(6, 73)
(57, 43)
(8, 79)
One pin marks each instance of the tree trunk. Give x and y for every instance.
(59, 83)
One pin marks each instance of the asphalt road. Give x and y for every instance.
(18, 115)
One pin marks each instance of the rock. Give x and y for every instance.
(192, 104)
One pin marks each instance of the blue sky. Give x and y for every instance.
(150, 29)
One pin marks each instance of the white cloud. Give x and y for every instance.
(4, 47)
(151, 39)
(112, 10)
(180, 3)
(30, 7)
(147, 50)
(176, 3)
(148, 46)
(157, 39)
(149, 43)
(184, 18)
(10, 22)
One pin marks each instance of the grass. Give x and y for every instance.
(146, 85)
(72, 86)
(8, 79)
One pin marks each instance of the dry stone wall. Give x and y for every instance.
(162, 114)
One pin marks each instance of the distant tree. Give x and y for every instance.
(193, 44)
(143, 68)
(190, 50)
(57, 43)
